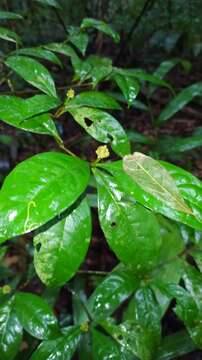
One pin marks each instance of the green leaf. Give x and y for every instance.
(104, 347)
(137, 137)
(143, 328)
(10, 331)
(143, 76)
(103, 127)
(52, 3)
(41, 124)
(60, 348)
(8, 15)
(40, 53)
(51, 183)
(171, 145)
(101, 68)
(101, 26)
(165, 67)
(113, 290)
(36, 316)
(170, 267)
(179, 101)
(154, 179)
(61, 48)
(136, 242)
(175, 345)
(95, 99)
(129, 87)
(22, 113)
(9, 35)
(188, 185)
(32, 72)
(78, 38)
(136, 103)
(63, 247)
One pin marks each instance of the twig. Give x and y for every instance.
(148, 4)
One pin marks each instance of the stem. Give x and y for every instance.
(61, 145)
(74, 293)
(148, 4)
(93, 272)
(60, 20)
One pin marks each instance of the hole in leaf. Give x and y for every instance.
(113, 224)
(88, 122)
(38, 247)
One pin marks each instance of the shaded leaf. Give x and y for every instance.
(129, 87)
(63, 247)
(104, 347)
(51, 183)
(14, 110)
(154, 179)
(32, 72)
(173, 144)
(95, 99)
(8, 15)
(36, 316)
(59, 347)
(78, 38)
(131, 230)
(101, 68)
(10, 331)
(101, 26)
(9, 35)
(179, 101)
(112, 291)
(52, 3)
(175, 345)
(40, 53)
(165, 67)
(103, 127)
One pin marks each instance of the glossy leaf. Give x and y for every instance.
(10, 330)
(9, 35)
(51, 183)
(175, 345)
(101, 68)
(63, 247)
(101, 26)
(179, 101)
(103, 127)
(143, 328)
(167, 66)
(188, 185)
(155, 180)
(78, 38)
(95, 99)
(52, 3)
(104, 347)
(15, 110)
(36, 316)
(143, 76)
(129, 87)
(32, 72)
(136, 103)
(112, 291)
(60, 348)
(171, 145)
(131, 230)
(40, 53)
(61, 48)
(41, 124)
(8, 15)
(170, 267)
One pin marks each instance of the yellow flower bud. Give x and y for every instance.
(70, 94)
(84, 327)
(6, 289)
(102, 152)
